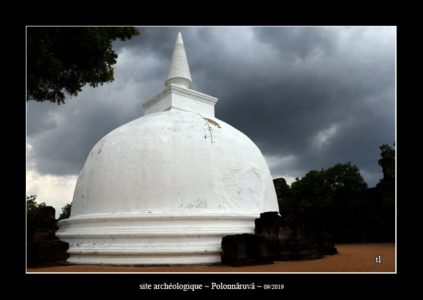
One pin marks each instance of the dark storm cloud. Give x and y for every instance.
(157, 40)
(38, 120)
(286, 105)
(63, 150)
(298, 43)
(79, 124)
(309, 97)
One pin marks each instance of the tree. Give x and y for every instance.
(66, 211)
(386, 191)
(332, 200)
(33, 209)
(61, 60)
(338, 200)
(38, 215)
(387, 162)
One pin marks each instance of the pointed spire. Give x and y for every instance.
(179, 73)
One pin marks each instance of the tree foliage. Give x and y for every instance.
(386, 191)
(61, 60)
(330, 200)
(66, 211)
(387, 162)
(33, 209)
(337, 200)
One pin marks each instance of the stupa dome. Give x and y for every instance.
(166, 187)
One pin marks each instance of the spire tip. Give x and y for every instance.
(179, 72)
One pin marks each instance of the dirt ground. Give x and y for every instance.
(350, 258)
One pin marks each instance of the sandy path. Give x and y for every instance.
(351, 258)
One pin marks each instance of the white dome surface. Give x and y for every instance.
(164, 189)
(174, 162)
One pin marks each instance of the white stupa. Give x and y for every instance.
(166, 187)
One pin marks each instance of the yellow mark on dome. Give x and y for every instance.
(212, 122)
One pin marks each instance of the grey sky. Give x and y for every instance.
(309, 97)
